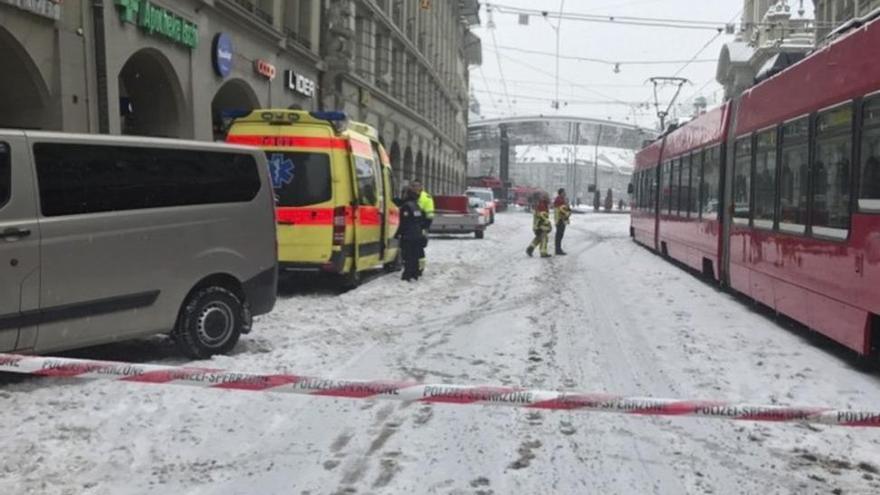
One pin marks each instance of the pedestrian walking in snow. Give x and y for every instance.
(562, 216)
(541, 226)
(411, 235)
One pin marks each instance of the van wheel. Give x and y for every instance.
(212, 320)
(479, 234)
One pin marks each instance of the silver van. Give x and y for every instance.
(109, 238)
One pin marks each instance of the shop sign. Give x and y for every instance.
(158, 21)
(43, 8)
(300, 84)
(221, 54)
(265, 69)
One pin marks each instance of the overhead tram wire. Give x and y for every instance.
(501, 71)
(488, 88)
(605, 61)
(626, 20)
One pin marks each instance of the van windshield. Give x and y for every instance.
(300, 179)
(484, 195)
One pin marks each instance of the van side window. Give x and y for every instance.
(366, 181)
(5, 175)
(831, 172)
(300, 179)
(77, 179)
(869, 192)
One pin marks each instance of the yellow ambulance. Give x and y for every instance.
(333, 191)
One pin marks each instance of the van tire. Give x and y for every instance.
(211, 322)
(479, 234)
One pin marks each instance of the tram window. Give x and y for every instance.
(765, 180)
(5, 175)
(794, 177)
(869, 191)
(742, 180)
(709, 203)
(831, 173)
(654, 187)
(686, 168)
(664, 187)
(670, 195)
(675, 189)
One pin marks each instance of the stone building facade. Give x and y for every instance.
(151, 67)
(402, 66)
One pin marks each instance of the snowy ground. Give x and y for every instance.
(609, 317)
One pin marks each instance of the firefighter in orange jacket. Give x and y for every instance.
(562, 215)
(541, 226)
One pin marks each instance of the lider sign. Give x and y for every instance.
(159, 21)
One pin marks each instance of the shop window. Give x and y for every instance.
(765, 179)
(831, 173)
(742, 180)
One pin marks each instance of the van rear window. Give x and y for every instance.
(5, 175)
(300, 179)
(77, 179)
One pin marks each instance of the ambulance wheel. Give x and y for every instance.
(351, 280)
(479, 234)
(211, 321)
(395, 265)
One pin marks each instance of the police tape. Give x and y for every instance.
(426, 393)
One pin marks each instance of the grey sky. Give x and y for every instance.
(531, 77)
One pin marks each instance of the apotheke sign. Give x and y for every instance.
(43, 8)
(300, 84)
(159, 21)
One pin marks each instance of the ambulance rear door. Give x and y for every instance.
(368, 212)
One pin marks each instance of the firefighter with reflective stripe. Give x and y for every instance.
(541, 226)
(411, 235)
(426, 204)
(561, 216)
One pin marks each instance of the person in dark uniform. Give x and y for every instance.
(411, 235)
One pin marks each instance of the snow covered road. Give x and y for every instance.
(610, 317)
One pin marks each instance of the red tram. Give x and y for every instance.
(776, 194)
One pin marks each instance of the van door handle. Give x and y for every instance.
(14, 233)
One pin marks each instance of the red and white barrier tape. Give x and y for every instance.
(437, 394)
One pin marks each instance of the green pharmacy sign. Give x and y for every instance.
(159, 22)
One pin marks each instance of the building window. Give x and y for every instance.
(831, 173)
(742, 180)
(765, 179)
(794, 176)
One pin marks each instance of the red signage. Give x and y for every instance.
(265, 69)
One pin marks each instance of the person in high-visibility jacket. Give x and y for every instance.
(542, 227)
(426, 203)
(561, 216)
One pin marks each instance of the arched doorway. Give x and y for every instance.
(234, 97)
(151, 101)
(396, 166)
(420, 170)
(24, 96)
(408, 165)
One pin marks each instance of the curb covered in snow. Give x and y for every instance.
(427, 393)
